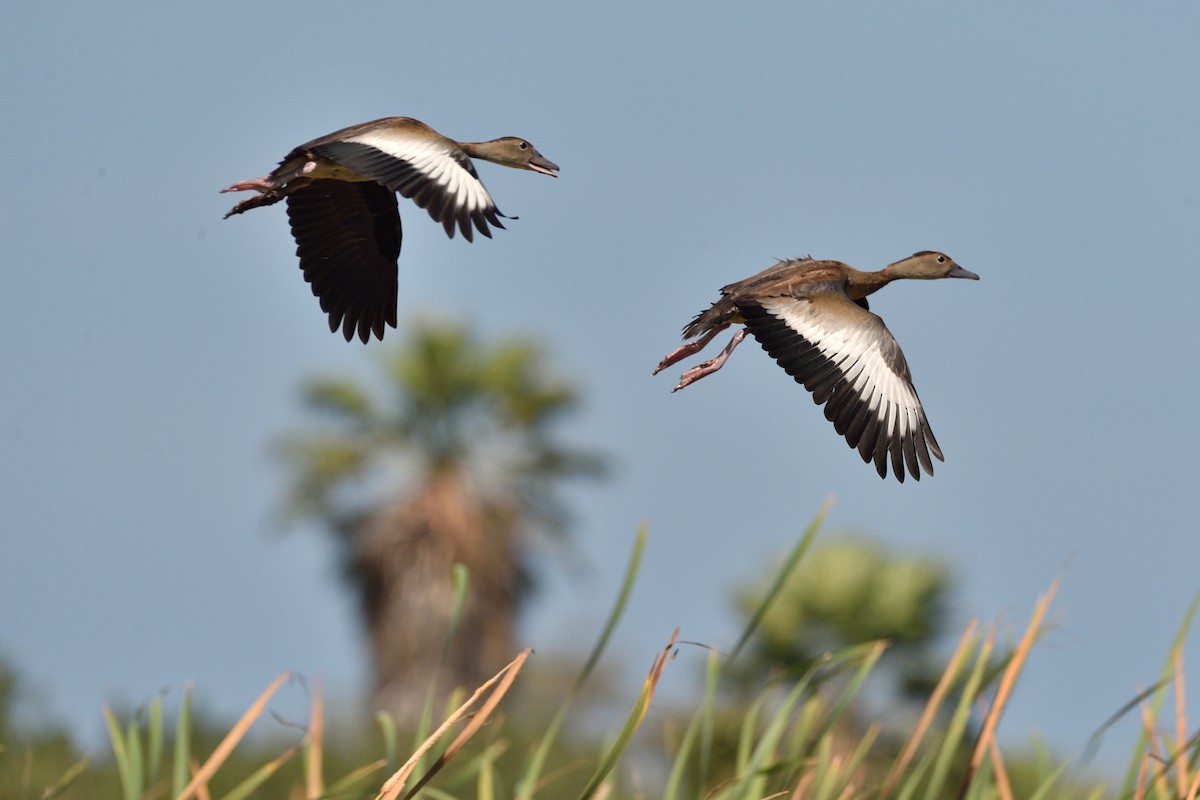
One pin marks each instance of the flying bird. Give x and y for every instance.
(341, 201)
(812, 318)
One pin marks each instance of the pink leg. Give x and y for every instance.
(264, 184)
(694, 346)
(712, 365)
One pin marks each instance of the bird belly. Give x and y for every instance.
(304, 167)
(323, 169)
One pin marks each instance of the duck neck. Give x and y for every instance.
(860, 284)
(485, 150)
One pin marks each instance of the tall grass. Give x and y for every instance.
(802, 736)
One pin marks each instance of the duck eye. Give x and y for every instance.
(524, 145)
(941, 259)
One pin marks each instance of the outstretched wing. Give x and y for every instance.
(420, 164)
(348, 240)
(850, 362)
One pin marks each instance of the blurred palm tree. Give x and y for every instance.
(455, 462)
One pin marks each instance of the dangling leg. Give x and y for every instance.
(268, 197)
(263, 184)
(694, 346)
(712, 365)
(278, 179)
(286, 179)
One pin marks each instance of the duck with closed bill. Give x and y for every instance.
(812, 318)
(341, 201)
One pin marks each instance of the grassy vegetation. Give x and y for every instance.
(803, 736)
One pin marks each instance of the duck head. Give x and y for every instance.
(512, 151)
(929, 265)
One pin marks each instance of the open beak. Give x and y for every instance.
(959, 272)
(539, 163)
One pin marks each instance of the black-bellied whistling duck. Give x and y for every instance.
(812, 318)
(341, 201)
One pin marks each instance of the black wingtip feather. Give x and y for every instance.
(830, 380)
(348, 238)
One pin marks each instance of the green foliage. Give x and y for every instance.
(848, 592)
(35, 761)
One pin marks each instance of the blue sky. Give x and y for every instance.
(152, 351)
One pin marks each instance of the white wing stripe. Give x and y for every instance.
(432, 159)
(858, 356)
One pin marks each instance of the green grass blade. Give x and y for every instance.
(1165, 677)
(869, 653)
(460, 576)
(120, 754)
(618, 609)
(347, 785)
(746, 734)
(632, 723)
(435, 793)
(709, 717)
(133, 746)
(953, 740)
(387, 727)
(1046, 788)
(154, 741)
(937, 700)
(826, 773)
(485, 782)
(69, 777)
(766, 750)
(858, 757)
(789, 565)
(183, 744)
(982, 785)
(537, 761)
(682, 757)
(757, 758)
(257, 778)
(468, 773)
(801, 739)
(911, 779)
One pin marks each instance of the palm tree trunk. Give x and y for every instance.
(403, 562)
